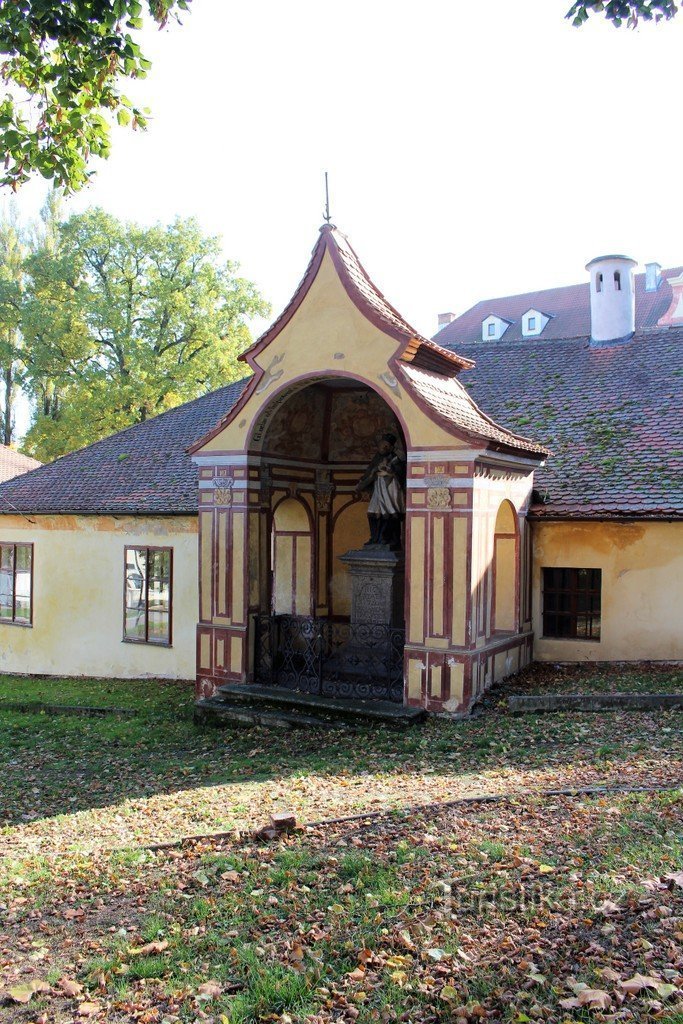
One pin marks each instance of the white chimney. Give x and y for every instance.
(613, 300)
(445, 318)
(653, 276)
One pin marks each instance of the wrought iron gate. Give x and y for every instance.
(332, 659)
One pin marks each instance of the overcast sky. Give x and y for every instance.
(474, 149)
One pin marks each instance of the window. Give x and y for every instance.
(491, 330)
(617, 281)
(598, 283)
(531, 323)
(147, 595)
(571, 603)
(16, 583)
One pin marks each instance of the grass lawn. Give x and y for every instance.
(547, 678)
(533, 908)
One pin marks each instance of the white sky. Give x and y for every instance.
(474, 149)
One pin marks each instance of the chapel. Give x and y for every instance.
(370, 515)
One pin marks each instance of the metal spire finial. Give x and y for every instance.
(326, 215)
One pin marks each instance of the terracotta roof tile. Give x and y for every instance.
(142, 470)
(610, 414)
(450, 400)
(569, 309)
(14, 464)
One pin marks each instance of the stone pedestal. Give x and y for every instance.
(377, 585)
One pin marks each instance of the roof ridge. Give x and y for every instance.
(558, 288)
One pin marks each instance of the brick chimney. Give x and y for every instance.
(444, 319)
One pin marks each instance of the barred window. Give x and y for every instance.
(571, 603)
(16, 583)
(147, 595)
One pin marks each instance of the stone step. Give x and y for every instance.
(219, 713)
(379, 711)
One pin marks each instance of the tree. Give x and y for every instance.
(122, 322)
(620, 11)
(65, 62)
(12, 255)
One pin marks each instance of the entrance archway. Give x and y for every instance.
(312, 444)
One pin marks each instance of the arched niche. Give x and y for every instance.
(349, 531)
(505, 569)
(292, 559)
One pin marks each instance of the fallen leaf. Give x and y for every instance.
(158, 946)
(210, 990)
(595, 999)
(637, 983)
(23, 993)
(88, 1009)
(69, 987)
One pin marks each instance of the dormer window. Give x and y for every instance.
(533, 322)
(617, 281)
(493, 327)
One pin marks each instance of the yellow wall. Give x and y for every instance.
(642, 588)
(329, 332)
(78, 597)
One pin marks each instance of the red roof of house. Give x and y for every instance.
(568, 309)
(142, 470)
(14, 464)
(610, 414)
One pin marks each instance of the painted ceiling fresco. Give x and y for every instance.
(323, 424)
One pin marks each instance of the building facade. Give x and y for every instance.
(544, 509)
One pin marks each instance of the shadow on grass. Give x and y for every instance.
(54, 765)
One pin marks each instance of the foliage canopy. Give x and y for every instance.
(65, 60)
(622, 11)
(112, 323)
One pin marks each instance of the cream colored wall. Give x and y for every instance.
(78, 597)
(642, 588)
(329, 331)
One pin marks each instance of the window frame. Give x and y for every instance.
(531, 323)
(147, 548)
(491, 329)
(573, 614)
(26, 623)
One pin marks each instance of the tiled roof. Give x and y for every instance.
(610, 414)
(144, 469)
(13, 464)
(569, 309)
(449, 399)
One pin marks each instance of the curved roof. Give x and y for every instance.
(450, 401)
(369, 300)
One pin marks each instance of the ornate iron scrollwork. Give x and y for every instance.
(334, 659)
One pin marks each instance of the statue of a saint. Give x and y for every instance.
(385, 479)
